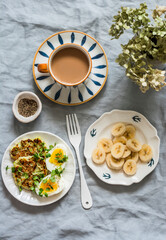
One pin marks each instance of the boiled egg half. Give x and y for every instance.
(58, 157)
(50, 186)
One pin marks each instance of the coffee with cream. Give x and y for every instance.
(70, 65)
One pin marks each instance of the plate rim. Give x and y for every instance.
(69, 104)
(34, 132)
(98, 120)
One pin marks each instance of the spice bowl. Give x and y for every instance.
(26, 106)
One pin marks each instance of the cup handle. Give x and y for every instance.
(42, 68)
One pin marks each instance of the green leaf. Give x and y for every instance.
(36, 183)
(7, 167)
(36, 156)
(48, 155)
(40, 191)
(52, 179)
(53, 173)
(19, 169)
(44, 180)
(57, 171)
(26, 175)
(20, 188)
(51, 147)
(13, 169)
(41, 176)
(35, 177)
(50, 185)
(32, 188)
(46, 194)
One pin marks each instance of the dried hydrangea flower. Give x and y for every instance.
(149, 42)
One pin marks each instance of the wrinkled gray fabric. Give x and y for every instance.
(118, 212)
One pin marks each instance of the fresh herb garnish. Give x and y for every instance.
(50, 147)
(40, 192)
(41, 175)
(52, 179)
(32, 188)
(19, 169)
(53, 173)
(20, 188)
(48, 155)
(61, 158)
(7, 167)
(46, 194)
(36, 156)
(44, 180)
(41, 150)
(13, 169)
(35, 177)
(26, 175)
(50, 185)
(36, 183)
(57, 171)
(48, 189)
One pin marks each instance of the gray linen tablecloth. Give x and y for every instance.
(134, 212)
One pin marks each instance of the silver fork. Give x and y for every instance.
(74, 135)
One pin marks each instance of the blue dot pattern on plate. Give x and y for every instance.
(82, 92)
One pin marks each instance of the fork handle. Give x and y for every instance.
(86, 198)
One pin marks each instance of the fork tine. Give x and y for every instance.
(77, 124)
(67, 124)
(74, 124)
(70, 125)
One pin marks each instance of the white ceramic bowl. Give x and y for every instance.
(28, 95)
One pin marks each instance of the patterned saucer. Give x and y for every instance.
(82, 92)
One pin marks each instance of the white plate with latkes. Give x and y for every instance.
(28, 197)
(145, 133)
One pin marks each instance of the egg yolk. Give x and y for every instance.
(49, 186)
(57, 153)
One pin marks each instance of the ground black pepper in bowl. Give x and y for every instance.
(27, 107)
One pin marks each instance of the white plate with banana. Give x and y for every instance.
(122, 147)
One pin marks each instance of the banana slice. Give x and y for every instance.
(133, 156)
(98, 156)
(134, 145)
(113, 163)
(130, 132)
(126, 153)
(118, 129)
(121, 139)
(106, 144)
(117, 150)
(108, 160)
(130, 167)
(146, 153)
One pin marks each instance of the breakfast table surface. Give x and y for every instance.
(119, 212)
